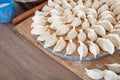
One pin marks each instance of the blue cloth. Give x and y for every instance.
(7, 12)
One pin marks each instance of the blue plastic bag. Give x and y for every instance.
(7, 10)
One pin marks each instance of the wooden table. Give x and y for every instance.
(21, 60)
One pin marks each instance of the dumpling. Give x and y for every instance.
(41, 13)
(71, 47)
(39, 30)
(115, 39)
(55, 19)
(55, 12)
(114, 67)
(76, 22)
(106, 24)
(114, 6)
(59, 8)
(69, 19)
(46, 8)
(39, 19)
(91, 34)
(51, 41)
(109, 18)
(103, 14)
(59, 2)
(67, 12)
(43, 36)
(94, 49)
(85, 24)
(106, 45)
(111, 2)
(103, 8)
(62, 29)
(66, 5)
(51, 3)
(60, 45)
(117, 11)
(88, 3)
(110, 75)
(118, 18)
(90, 11)
(117, 26)
(79, 2)
(99, 30)
(95, 74)
(81, 36)
(81, 14)
(72, 3)
(96, 4)
(37, 24)
(103, 1)
(56, 25)
(115, 31)
(72, 34)
(92, 20)
(79, 7)
(82, 50)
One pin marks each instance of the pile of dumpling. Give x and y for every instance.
(79, 27)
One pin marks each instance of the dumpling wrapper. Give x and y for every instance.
(106, 45)
(60, 45)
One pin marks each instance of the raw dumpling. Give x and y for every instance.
(79, 2)
(39, 30)
(72, 34)
(55, 12)
(51, 41)
(115, 39)
(60, 45)
(62, 29)
(111, 2)
(59, 8)
(88, 3)
(66, 5)
(67, 12)
(103, 1)
(72, 3)
(76, 22)
(81, 35)
(109, 18)
(96, 4)
(117, 26)
(110, 75)
(95, 74)
(92, 20)
(85, 24)
(114, 67)
(91, 34)
(71, 47)
(82, 50)
(81, 14)
(44, 36)
(118, 18)
(117, 11)
(90, 11)
(46, 8)
(51, 3)
(94, 49)
(79, 7)
(99, 30)
(106, 45)
(103, 14)
(55, 25)
(59, 2)
(55, 19)
(41, 13)
(115, 31)
(103, 8)
(69, 19)
(106, 24)
(114, 6)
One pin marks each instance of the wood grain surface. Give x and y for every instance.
(76, 67)
(21, 60)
